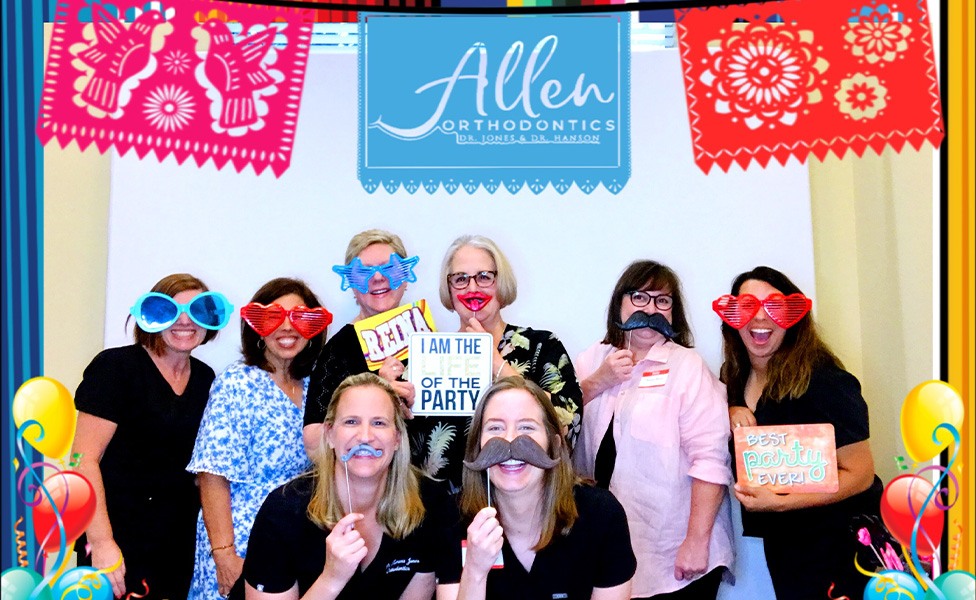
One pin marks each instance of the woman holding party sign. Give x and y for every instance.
(477, 282)
(250, 438)
(377, 270)
(555, 537)
(139, 410)
(779, 372)
(363, 524)
(655, 434)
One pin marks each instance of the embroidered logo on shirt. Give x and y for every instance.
(401, 565)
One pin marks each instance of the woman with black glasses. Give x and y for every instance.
(656, 434)
(476, 282)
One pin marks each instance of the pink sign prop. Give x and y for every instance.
(787, 458)
(191, 78)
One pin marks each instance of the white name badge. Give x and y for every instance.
(654, 378)
(499, 561)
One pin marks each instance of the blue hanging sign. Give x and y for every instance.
(469, 101)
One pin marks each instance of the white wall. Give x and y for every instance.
(236, 231)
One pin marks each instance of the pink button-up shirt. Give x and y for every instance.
(670, 424)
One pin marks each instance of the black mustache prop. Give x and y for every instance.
(641, 319)
(522, 448)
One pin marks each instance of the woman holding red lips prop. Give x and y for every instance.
(250, 441)
(779, 372)
(477, 281)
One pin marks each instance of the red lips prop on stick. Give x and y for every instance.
(785, 311)
(474, 301)
(265, 319)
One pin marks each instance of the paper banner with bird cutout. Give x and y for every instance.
(177, 81)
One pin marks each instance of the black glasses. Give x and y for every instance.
(459, 281)
(640, 299)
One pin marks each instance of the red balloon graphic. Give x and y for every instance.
(75, 500)
(898, 516)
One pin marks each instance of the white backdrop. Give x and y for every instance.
(237, 230)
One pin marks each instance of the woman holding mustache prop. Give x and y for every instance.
(535, 532)
(655, 433)
(363, 524)
(477, 282)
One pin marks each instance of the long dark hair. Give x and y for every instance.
(790, 367)
(648, 275)
(301, 366)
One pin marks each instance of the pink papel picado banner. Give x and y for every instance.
(191, 78)
(796, 77)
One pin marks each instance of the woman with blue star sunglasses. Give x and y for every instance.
(377, 270)
(155, 312)
(139, 409)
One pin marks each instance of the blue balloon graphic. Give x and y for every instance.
(95, 587)
(893, 585)
(954, 585)
(18, 583)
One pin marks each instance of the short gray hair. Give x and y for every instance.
(504, 281)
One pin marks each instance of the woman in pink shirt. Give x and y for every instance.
(655, 432)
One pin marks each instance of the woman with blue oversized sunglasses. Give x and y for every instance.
(139, 410)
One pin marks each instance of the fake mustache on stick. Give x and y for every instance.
(641, 319)
(523, 448)
(361, 449)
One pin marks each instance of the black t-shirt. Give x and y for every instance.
(341, 357)
(834, 396)
(286, 547)
(596, 553)
(152, 501)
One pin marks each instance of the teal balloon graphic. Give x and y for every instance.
(954, 585)
(18, 583)
(893, 585)
(92, 588)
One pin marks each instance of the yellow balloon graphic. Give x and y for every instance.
(48, 402)
(927, 406)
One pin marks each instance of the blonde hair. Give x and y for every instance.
(400, 510)
(558, 504)
(365, 239)
(505, 284)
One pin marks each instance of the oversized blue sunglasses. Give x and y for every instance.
(155, 312)
(397, 270)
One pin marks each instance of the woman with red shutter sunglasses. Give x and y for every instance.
(779, 372)
(250, 440)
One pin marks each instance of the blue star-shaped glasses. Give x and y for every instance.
(357, 275)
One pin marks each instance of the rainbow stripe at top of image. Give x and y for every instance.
(515, 3)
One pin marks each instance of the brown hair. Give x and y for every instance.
(400, 510)
(301, 366)
(648, 275)
(790, 367)
(558, 505)
(171, 285)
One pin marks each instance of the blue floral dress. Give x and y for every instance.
(251, 434)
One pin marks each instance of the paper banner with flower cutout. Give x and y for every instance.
(191, 78)
(792, 78)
